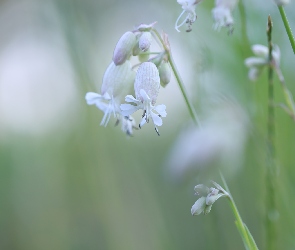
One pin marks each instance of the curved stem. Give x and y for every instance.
(287, 27)
(178, 79)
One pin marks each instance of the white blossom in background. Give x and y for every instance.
(222, 14)
(189, 8)
(282, 2)
(117, 82)
(256, 64)
(146, 86)
(219, 142)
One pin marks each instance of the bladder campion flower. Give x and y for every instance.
(222, 14)
(256, 64)
(189, 8)
(207, 199)
(117, 82)
(146, 86)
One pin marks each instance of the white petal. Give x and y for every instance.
(130, 98)
(161, 109)
(128, 109)
(92, 98)
(260, 50)
(144, 95)
(255, 61)
(156, 119)
(142, 122)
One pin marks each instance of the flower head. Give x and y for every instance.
(117, 82)
(146, 86)
(188, 7)
(256, 64)
(282, 2)
(222, 14)
(207, 199)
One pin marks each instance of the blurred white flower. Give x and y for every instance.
(220, 142)
(117, 82)
(282, 2)
(188, 7)
(146, 86)
(222, 14)
(257, 63)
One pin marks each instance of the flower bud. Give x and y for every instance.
(281, 2)
(165, 73)
(124, 48)
(147, 78)
(201, 190)
(199, 206)
(145, 41)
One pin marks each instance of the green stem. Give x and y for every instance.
(270, 164)
(178, 79)
(287, 27)
(244, 232)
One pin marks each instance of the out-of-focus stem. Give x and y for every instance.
(270, 164)
(287, 27)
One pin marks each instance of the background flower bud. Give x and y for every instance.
(165, 73)
(147, 78)
(145, 41)
(124, 48)
(201, 190)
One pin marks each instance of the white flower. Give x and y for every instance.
(146, 86)
(282, 2)
(222, 14)
(117, 82)
(188, 7)
(218, 143)
(257, 63)
(128, 124)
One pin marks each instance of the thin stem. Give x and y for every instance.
(244, 232)
(270, 164)
(178, 78)
(287, 27)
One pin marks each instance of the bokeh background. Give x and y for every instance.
(67, 183)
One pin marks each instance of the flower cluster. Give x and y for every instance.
(207, 197)
(120, 81)
(222, 14)
(256, 64)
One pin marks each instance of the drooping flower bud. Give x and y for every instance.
(201, 189)
(281, 2)
(165, 73)
(124, 48)
(145, 41)
(147, 78)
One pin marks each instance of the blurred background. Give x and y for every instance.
(68, 183)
